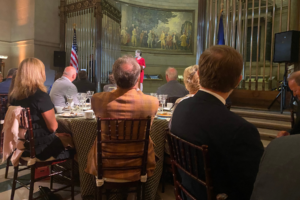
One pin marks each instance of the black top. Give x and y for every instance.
(46, 143)
(234, 145)
(84, 85)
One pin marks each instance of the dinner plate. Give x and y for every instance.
(70, 116)
(164, 114)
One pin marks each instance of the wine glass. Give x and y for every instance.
(80, 99)
(162, 98)
(89, 95)
(69, 100)
(83, 99)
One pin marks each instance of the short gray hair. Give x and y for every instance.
(172, 73)
(296, 77)
(126, 78)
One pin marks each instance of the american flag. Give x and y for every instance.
(74, 57)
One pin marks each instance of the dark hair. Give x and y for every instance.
(82, 75)
(220, 68)
(126, 78)
(12, 71)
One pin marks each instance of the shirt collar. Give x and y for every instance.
(66, 78)
(215, 95)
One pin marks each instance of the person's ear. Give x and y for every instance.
(240, 78)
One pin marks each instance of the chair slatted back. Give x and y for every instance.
(26, 123)
(190, 159)
(3, 110)
(121, 131)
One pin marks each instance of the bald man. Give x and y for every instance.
(124, 102)
(63, 87)
(172, 88)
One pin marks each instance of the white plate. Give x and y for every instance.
(165, 116)
(70, 116)
(90, 118)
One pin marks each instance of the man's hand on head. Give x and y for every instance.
(282, 133)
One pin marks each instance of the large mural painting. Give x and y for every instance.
(153, 29)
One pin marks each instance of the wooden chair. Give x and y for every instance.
(3, 110)
(27, 124)
(188, 157)
(113, 136)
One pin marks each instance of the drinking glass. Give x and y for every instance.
(162, 98)
(80, 99)
(69, 100)
(89, 95)
(83, 100)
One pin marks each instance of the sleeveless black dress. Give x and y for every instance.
(47, 144)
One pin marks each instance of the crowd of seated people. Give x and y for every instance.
(239, 168)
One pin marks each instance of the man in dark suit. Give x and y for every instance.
(172, 88)
(233, 143)
(294, 85)
(278, 174)
(4, 86)
(83, 85)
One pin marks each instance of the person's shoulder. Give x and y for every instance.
(40, 95)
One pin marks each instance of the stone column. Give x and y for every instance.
(201, 29)
(63, 21)
(99, 16)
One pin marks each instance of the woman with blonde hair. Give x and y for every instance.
(191, 82)
(29, 91)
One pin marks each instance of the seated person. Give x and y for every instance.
(29, 91)
(191, 82)
(172, 88)
(112, 84)
(294, 85)
(278, 170)
(234, 145)
(83, 85)
(4, 86)
(124, 102)
(64, 87)
(57, 76)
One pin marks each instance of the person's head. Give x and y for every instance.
(70, 73)
(220, 68)
(138, 53)
(294, 83)
(82, 75)
(171, 74)
(191, 79)
(11, 72)
(111, 79)
(126, 72)
(30, 76)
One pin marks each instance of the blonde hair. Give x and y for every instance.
(191, 78)
(30, 77)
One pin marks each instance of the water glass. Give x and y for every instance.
(89, 95)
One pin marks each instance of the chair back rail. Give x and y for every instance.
(110, 134)
(190, 158)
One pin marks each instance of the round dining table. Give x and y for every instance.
(84, 133)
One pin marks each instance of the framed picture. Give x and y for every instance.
(156, 30)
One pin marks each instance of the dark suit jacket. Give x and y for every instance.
(234, 145)
(278, 176)
(172, 89)
(84, 85)
(4, 86)
(296, 129)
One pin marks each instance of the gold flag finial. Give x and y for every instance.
(74, 26)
